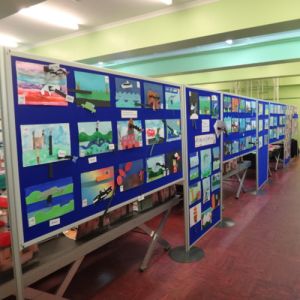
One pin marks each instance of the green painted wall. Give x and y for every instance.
(212, 20)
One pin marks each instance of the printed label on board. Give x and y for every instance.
(205, 126)
(21, 99)
(204, 140)
(121, 188)
(92, 160)
(61, 153)
(111, 146)
(69, 98)
(31, 221)
(54, 222)
(129, 114)
(84, 203)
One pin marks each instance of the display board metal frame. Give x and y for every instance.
(189, 125)
(275, 115)
(9, 119)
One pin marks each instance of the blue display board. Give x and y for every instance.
(263, 142)
(277, 122)
(203, 162)
(239, 115)
(88, 141)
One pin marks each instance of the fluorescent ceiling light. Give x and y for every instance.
(229, 42)
(167, 2)
(50, 16)
(8, 41)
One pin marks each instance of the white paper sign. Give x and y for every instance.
(54, 222)
(61, 153)
(69, 98)
(92, 160)
(111, 146)
(31, 221)
(129, 114)
(84, 203)
(204, 140)
(205, 125)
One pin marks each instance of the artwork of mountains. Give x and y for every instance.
(41, 143)
(92, 88)
(37, 86)
(49, 200)
(128, 93)
(156, 167)
(97, 183)
(94, 137)
(172, 96)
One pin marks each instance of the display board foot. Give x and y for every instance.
(226, 223)
(180, 255)
(258, 193)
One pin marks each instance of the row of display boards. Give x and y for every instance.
(81, 141)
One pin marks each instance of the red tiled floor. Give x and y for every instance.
(257, 259)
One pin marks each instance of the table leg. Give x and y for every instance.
(241, 181)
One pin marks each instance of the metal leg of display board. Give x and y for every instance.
(155, 238)
(31, 293)
(241, 180)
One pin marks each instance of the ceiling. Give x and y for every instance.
(91, 14)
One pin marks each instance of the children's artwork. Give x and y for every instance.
(242, 125)
(227, 122)
(260, 109)
(249, 142)
(242, 108)
(194, 173)
(49, 200)
(195, 214)
(153, 93)
(242, 144)
(128, 93)
(248, 124)
(260, 125)
(248, 107)
(260, 141)
(193, 97)
(195, 192)
(206, 218)
(97, 186)
(172, 96)
(266, 140)
(130, 175)
(205, 105)
(92, 88)
(42, 143)
(216, 158)
(215, 200)
(174, 162)
(40, 85)
(227, 148)
(215, 181)
(253, 107)
(129, 134)
(206, 189)
(205, 162)
(173, 130)
(235, 147)
(227, 104)
(94, 137)
(194, 159)
(155, 132)
(234, 125)
(215, 110)
(253, 124)
(235, 104)
(156, 167)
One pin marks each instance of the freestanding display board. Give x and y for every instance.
(202, 163)
(262, 158)
(277, 122)
(288, 134)
(85, 140)
(239, 115)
